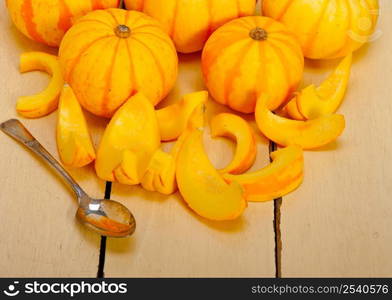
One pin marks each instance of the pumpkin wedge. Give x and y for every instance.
(73, 138)
(237, 129)
(314, 102)
(173, 119)
(128, 143)
(201, 185)
(292, 110)
(45, 102)
(281, 177)
(160, 175)
(306, 134)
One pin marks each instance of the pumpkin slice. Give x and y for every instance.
(292, 110)
(201, 185)
(314, 102)
(173, 119)
(73, 138)
(128, 143)
(279, 178)
(160, 175)
(45, 102)
(237, 129)
(307, 134)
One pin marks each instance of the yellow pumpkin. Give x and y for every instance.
(46, 21)
(327, 28)
(251, 56)
(190, 23)
(110, 55)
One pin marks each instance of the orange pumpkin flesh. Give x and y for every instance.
(46, 21)
(190, 23)
(308, 134)
(110, 55)
(251, 56)
(281, 177)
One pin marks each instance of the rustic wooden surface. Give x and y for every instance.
(336, 224)
(339, 222)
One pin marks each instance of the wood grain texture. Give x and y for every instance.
(39, 234)
(339, 222)
(172, 241)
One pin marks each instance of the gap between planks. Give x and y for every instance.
(276, 223)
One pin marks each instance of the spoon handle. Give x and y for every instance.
(15, 129)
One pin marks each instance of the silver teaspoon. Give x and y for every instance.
(106, 217)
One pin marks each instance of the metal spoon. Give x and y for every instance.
(107, 217)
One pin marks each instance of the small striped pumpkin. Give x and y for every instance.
(110, 55)
(46, 21)
(251, 56)
(190, 23)
(327, 29)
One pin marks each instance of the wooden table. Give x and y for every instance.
(338, 223)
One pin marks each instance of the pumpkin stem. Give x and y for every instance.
(122, 31)
(258, 34)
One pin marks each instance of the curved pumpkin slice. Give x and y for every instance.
(237, 129)
(306, 134)
(160, 175)
(73, 138)
(44, 103)
(129, 141)
(281, 177)
(293, 111)
(314, 102)
(173, 119)
(201, 185)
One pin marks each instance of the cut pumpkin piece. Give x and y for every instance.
(73, 138)
(314, 102)
(237, 129)
(201, 185)
(45, 102)
(173, 119)
(293, 111)
(160, 175)
(129, 142)
(306, 134)
(281, 177)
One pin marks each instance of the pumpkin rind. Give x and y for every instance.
(110, 55)
(327, 29)
(190, 23)
(251, 56)
(46, 21)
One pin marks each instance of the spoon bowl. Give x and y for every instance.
(107, 217)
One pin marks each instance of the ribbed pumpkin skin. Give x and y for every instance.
(104, 69)
(326, 28)
(237, 68)
(46, 21)
(190, 23)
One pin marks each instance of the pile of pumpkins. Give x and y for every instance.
(120, 63)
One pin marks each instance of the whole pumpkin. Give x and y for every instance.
(109, 55)
(46, 21)
(327, 28)
(190, 23)
(251, 56)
